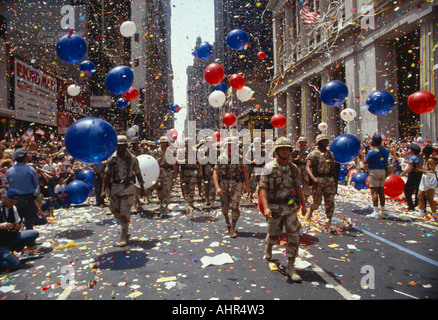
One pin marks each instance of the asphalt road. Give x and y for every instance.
(165, 257)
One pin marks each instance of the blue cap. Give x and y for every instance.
(12, 194)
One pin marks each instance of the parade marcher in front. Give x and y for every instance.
(321, 169)
(281, 195)
(168, 174)
(299, 158)
(230, 178)
(11, 238)
(375, 161)
(120, 173)
(24, 179)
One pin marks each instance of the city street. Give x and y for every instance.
(167, 257)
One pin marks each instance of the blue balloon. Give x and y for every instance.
(122, 103)
(119, 79)
(205, 51)
(343, 173)
(359, 180)
(334, 93)
(87, 66)
(380, 103)
(91, 140)
(237, 39)
(71, 49)
(76, 192)
(345, 148)
(220, 87)
(86, 176)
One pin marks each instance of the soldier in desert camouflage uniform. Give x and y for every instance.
(229, 180)
(189, 174)
(321, 169)
(281, 195)
(168, 174)
(136, 151)
(299, 158)
(120, 173)
(207, 170)
(255, 159)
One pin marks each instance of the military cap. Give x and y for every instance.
(321, 137)
(122, 140)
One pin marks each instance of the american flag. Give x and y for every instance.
(308, 17)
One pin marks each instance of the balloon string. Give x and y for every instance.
(71, 33)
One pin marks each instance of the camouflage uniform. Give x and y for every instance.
(254, 178)
(189, 175)
(230, 179)
(200, 178)
(120, 174)
(149, 151)
(168, 173)
(136, 151)
(283, 187)
(207, 170)
(301, 164)
(322, 168)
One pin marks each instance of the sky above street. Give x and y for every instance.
(190, 19)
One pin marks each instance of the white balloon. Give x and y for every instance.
(131, 132)
(348, 114)
(150, 170)
(217, 98)
(244, 94)
(322, 126)
(137, 128)
(127, 29)
(73, 90)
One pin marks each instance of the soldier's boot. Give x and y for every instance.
(233, 233)
(291, 272)
(123, 237)
(268, 251)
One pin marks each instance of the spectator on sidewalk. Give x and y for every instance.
(11, 238)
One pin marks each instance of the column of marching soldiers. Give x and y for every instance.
(282, 188)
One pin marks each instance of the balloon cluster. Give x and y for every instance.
(214, 73)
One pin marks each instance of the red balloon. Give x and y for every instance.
(261, 55)
(217, 136)
(131, 94)
(261, 205)
(367, 182)
(278, 121)
(214, 73)
(422, 102)
(394, 186)
(237, 81)
(172, 133)
(229, 119)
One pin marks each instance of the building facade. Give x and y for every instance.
(198, 90)
(368, 45)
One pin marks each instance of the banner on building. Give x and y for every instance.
(63, 122)
(35, 95)
(100, 102)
